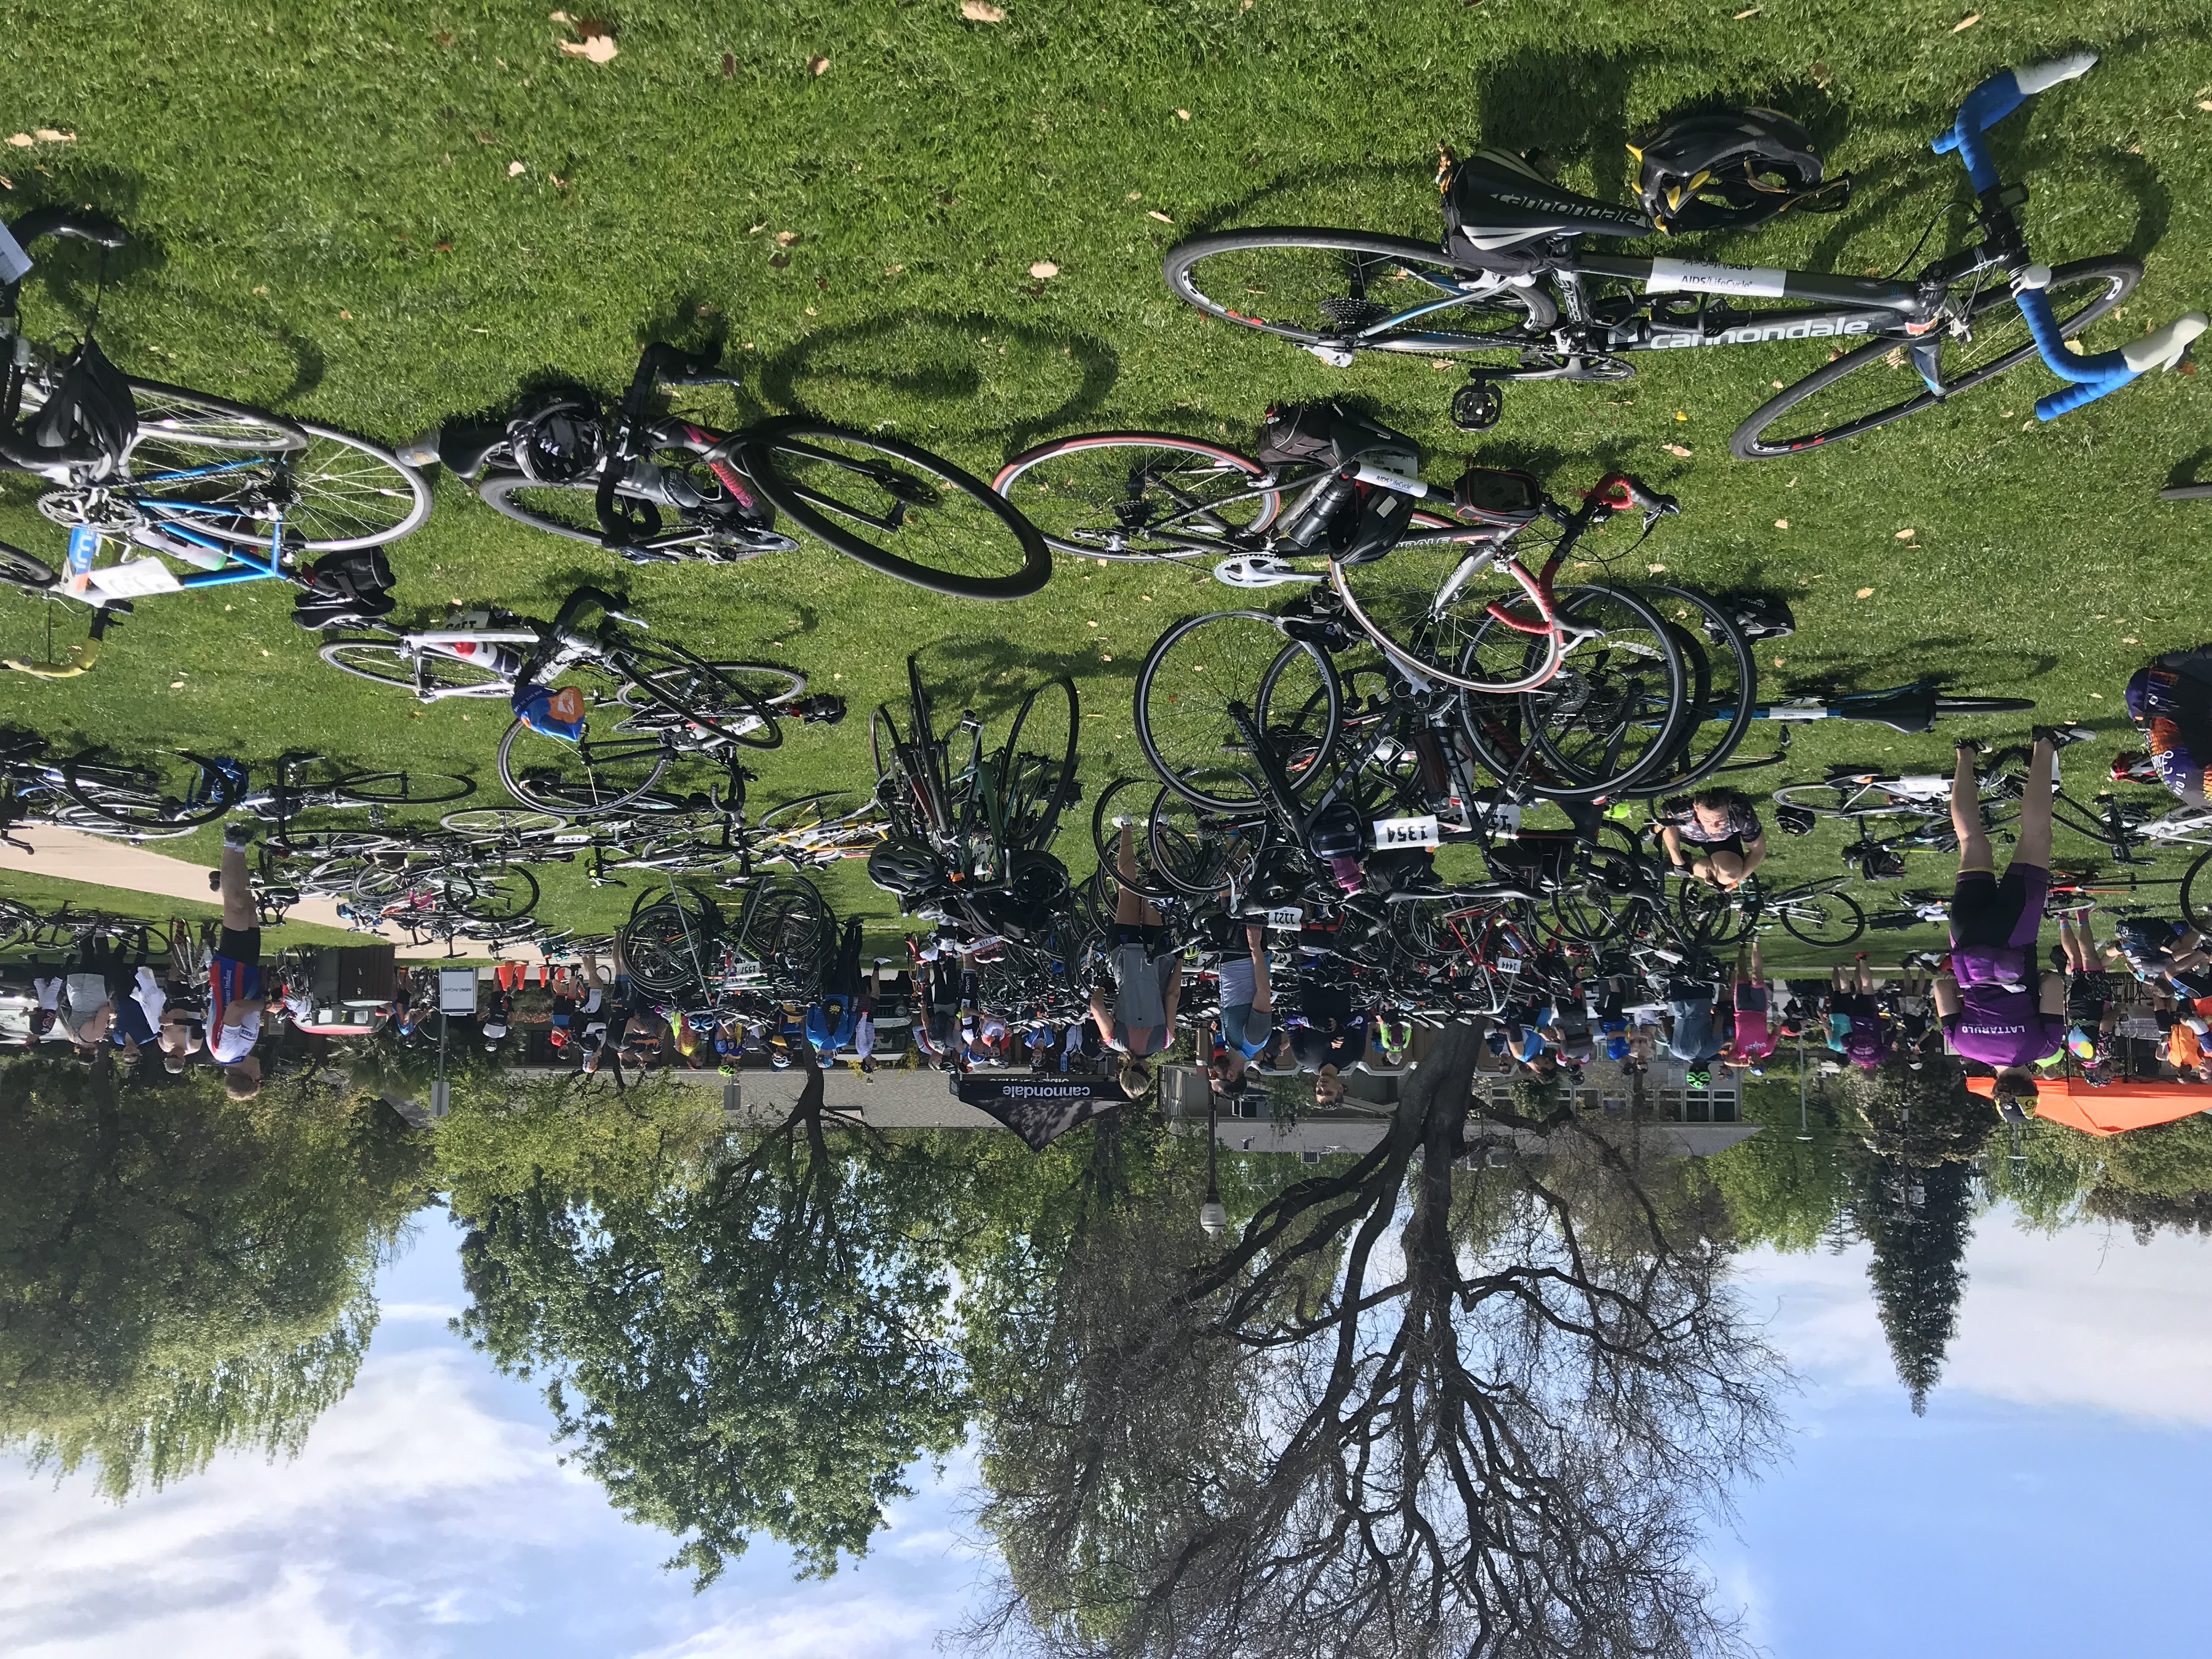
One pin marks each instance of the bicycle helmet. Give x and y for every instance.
(558, 441)
(87, 424)
(904, 867)
(1729, 168)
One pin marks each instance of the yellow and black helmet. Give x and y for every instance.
(1729, 168)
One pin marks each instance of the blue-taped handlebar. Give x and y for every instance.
(2093, 375)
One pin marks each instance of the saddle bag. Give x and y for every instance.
(345, 590)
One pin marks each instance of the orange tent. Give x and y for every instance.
(2113, 1109)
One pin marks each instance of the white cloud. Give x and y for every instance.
(2086, 1319)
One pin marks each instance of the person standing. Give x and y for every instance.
(236, 994)
(1138, 1019)
(1751, 998)
(1994, 1005)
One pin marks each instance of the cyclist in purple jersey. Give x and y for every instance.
(1996, 1005)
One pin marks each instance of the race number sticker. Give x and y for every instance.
(1689, 277)
(1391, 833)
(1289, 916)
(1508, 964)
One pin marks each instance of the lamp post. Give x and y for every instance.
(1212, 1215)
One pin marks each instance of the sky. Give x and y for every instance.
(2046, 1504)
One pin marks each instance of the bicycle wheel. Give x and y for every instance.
(1138, 495)
(1612, 713)
(1037, 782)
(167, 796)
(706, 701)
(504, 893)
(19, 569)
(177, 428)
(1878, 382)
(1428, 605)
(898, 509)
(1134, 800)
(1200, 853)
(2197, 893)
(571, 511)
(1352, 291)
(390, 665)
(1818, 918)
(1203, 664)
(502, 823)
(1708, 917)
(582, 779)
(1722, 687)
(397, 788)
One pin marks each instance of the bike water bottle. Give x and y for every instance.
(83, 549)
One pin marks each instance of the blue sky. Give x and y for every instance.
(2047, 1504)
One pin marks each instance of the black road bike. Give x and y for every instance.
(656, 488)
(1517, 278)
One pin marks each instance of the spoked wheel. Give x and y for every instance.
(167, 796)
(502, 823)
(1352, 292)
(1879, 382)
(388, 665)
(505, 892)
(1199, 853)
(1135, 800)
(396, 788)
(337, 492)
(1428, 604)
(1199, 668)
(583, 779)
(1141, 495)
(1036, 768)
(1612, 714)
(1721, 687)
(898, 509)
(718, 529)
(180, 430)
(1820, 918)
(1708, 917)
(707, 700)
(2197, 893)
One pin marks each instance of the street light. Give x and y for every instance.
(1213, 1214)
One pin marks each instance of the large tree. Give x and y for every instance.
(1918, 1219)
(1409, 1410)
(179, 1272)
(757, 1345)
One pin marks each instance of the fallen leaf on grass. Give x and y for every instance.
(1777, 662)
(1043, 268)
(1154, 213)
(1782, 524)
(514, 169)
(1904, 535)
(786, 237)
(2204, 103)
(6, 183)
(53, 135)
(1182, 115)
(1679, 416)
(893, 271)
(1749, 11)
(597, 46)
(1965, 22)
(1134, 196)
(176, 685)
(21, 140)
(262, 292)
(818, 66)
(2130, 639)
(1656, 569)
(1683, 450)
(982, 11)
(560, 17)
(1866, 592)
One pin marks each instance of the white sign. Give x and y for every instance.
(1508, 964)
(1407, 832)
(1289, 916)
(134, 580)
(1692, 276)
(457, 990)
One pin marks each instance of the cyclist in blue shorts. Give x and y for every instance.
(1247, 1018)
(236, 994)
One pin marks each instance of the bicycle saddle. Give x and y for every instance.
(81, 224)
(1909, 709)
(1497, 200)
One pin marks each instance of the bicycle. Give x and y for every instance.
(1516, 278)
(1818, 912)
(236, 492)
(660, 488)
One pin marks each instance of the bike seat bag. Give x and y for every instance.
(344, 589)
(1497, 208)
(89, 419)
(1729, 169)
(1496, 495)
(1761, 616)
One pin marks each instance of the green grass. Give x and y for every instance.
(327, 225)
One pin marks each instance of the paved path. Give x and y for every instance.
(73, 855)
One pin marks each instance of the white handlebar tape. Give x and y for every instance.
(2034, 78)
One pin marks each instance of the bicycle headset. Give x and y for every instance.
(1728, 169)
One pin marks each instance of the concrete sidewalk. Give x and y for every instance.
(72, 855)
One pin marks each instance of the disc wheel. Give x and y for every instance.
(898, 509)
(1879, 383)
(1197, 669)
(1137, 495)
(1352, 292)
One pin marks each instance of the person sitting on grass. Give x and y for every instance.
(1722, 834)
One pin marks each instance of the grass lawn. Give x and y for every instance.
(381, 215)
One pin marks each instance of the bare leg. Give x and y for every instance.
(1263, 994)
(1130, 908)
(238, 912)
(2033, 845)
(1966, 816)
(1757, 964)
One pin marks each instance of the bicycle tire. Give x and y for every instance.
(102, 786)
(402, 788)
(597, 794)
(699, 694)
(19, 569)
(502, 823)
(1985, 705)
(1198, 861)
(784, 458)
(350, 494)
(1199, 762)
(505, 893)
(381, 663)
(499, 491)
(1850, 920)
(2106, 282)
(1149, 884)
(176, 424)
(2196, 885)
(1032, 797)
(1736, 688)
(1521, 311)
(1114, 525)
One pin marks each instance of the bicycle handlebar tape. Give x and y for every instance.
(2040, 77)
